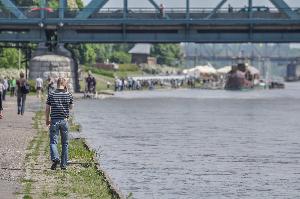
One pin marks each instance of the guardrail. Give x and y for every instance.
(150, 13)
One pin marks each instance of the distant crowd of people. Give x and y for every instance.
(8, 86)
(122, 84)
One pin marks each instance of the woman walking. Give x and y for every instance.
(1, 93)
(21, 93)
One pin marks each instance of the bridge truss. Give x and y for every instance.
(94, 23)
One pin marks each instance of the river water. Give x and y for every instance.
(183, 144)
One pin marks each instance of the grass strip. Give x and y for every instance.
(82, 179)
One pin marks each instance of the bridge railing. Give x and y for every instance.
(151, 13)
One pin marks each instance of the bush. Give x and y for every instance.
(32, 85)
(128, 67)
(121, 57)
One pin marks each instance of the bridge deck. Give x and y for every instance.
(150, 25)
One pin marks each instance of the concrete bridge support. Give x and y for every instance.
(58, 63)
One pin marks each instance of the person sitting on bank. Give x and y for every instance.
(58, 105)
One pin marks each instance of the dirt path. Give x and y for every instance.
(16, 132)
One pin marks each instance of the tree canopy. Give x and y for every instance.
(168, 54)
(9, 58)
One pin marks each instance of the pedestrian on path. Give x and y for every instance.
(58, 105)
(22, 91)
(50, 85)
(39, 86)
(12, 86)
(5, 83)
(1, 93)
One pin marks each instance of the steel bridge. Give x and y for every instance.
(280, 53)
(94, 23)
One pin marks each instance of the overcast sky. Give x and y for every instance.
(194, 3)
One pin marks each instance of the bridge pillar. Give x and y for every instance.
(58, 63)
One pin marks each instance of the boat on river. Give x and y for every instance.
(242, 76)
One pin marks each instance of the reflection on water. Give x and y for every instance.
(198, 143)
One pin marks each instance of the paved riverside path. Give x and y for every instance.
(16, 132)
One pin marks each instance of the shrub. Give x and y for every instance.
(121, 57)
(32, 85)
(128, 67)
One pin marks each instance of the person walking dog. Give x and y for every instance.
(58, 105)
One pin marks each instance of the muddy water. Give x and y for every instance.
(198, 143)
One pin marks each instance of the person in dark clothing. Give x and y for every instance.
(91, 83)
(58, 105)
(21, 96)
(2, 87)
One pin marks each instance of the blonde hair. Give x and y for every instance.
(61, 82)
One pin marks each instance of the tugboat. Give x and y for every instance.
(242, 76)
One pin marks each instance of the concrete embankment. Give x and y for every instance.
(16, 133)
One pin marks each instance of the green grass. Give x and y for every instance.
(27, 187)
(81, 180)
(27, 197)
(74, 127)
(101, 82)
(128, 68)
(98, 71)
(79, 152)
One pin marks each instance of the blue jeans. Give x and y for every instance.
(21, 103)
(62, 126)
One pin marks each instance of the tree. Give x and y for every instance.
(89, 55)
(121, 57)
(9, 58)
(167, 54)
(79, 4)
(102, 51)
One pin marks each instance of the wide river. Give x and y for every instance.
(181, 144)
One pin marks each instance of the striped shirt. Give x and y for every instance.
(59, 101)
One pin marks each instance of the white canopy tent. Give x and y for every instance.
(206, 69)
(253, 70)
(200, 70)
(163, 78)
(224, 70)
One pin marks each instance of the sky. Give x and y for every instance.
(195, 3)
